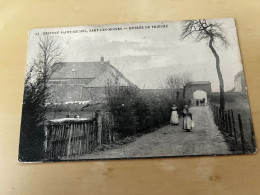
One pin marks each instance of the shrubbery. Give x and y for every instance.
(136, 112)
(32, 134)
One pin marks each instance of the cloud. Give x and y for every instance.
(146, 56)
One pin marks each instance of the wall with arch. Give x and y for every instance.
(192, 87)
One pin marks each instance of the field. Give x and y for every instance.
(65, 110)
(240, 105)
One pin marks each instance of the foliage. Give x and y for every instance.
(121, 101)
(33, 116)
(175, 81)
(136, 112)
(204, 30)
(36, 94)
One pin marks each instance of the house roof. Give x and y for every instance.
(97, 71)
(80, 69)
(110, 73)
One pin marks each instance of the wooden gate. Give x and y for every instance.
(70, 137)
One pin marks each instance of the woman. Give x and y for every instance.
(187, 119)
(174, 116)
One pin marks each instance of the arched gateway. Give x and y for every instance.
(199, 95)
(197, 90)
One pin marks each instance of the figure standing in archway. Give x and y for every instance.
(201, 97)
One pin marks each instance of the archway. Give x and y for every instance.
(199, 95)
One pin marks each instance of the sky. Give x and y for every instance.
(147, 56)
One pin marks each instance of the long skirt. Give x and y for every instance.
(187, 123)
(174, 118)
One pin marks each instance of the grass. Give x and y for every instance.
(240, 105)
(74, 109)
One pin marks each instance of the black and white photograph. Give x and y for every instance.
(135, 90)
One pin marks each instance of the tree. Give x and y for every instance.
(36, 95)
(49, 58)
(211, 32)
(175, 81)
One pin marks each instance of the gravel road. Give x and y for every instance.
(204, 139)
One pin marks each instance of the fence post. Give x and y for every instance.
(220, 119)
(252, 134)
(111, 118)
(216, 111)
(216, 114)
(70, 129)
(98, 117)
(241, 132)
(88, 138)
(225, 121)
(229, 123)
(47, 141)
(233, 123)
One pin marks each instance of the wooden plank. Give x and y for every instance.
(241, 133)
(234, 126)
(70, 129)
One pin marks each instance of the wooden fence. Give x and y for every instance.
(69, 137)
(232, 126)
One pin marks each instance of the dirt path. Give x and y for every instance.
(205, 139)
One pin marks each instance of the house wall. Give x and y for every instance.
(240, 84)
(238, 87)
(178, 94)
(190, 89)
(96, 94)
(66, 92)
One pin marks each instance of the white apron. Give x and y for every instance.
(174, 118)
(187, 123)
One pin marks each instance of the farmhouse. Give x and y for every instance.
(81, 81)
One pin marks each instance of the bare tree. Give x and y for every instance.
(36, 94)
(175, 81)
(211, 32)
(49, 57)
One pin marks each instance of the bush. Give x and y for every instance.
(32, 135)
(135, 112)
(121, 102)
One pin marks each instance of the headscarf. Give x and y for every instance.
(186, 110)
(174, 107)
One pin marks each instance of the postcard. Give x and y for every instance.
(136, 90)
